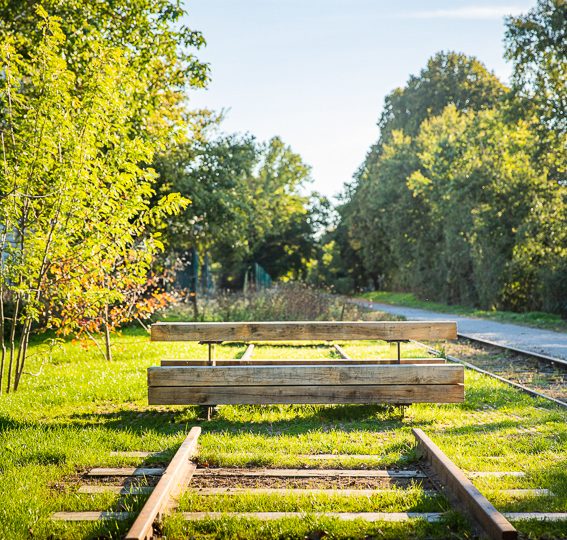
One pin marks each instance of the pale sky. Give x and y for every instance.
(315, 72)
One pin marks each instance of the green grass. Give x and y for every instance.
(536, 319)
(80, 408)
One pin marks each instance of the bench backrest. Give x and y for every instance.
(305, 331)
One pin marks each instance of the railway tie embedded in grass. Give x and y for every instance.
(430, 517)
(126, 471)
(120, 490)
(177, 475)
(312, 473)
(302, 491)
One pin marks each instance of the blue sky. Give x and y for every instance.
(315, 72)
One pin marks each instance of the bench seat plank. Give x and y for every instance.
(305, 375)
(264, 395)
(300, 362)
(302, 331)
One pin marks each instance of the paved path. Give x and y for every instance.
(544, 342)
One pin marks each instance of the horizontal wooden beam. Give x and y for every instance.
(126, 471)
(91, 516)
(303, 362)
(311, 473)
(344, 516)
(539, 516)
(301, 331)
(121, 490)
(430, 517)
(336, 492)
(495, 525)
(265, 395)
(325, 375)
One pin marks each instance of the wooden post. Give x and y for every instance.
(212, 362)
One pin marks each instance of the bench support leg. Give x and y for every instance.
(210, 410)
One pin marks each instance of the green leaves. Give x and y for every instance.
(456, 201)
(77, 220)
(245, 203)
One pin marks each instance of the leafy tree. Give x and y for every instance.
(246, 205)
(383, 218)
(448, 78)
(75, 186)
(478, 182)
(155, 43)
(536, 43)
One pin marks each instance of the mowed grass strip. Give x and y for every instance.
(80, 408)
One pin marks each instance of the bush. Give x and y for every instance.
(284, 302)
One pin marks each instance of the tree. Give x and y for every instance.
(155, 44)
(382, 216)
(448, 78)
(75, 184)
(246, 205)
(536, 43)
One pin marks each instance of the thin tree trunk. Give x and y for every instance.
(26, 331)
(2, 340)
(12, 342)
(108, 348)
(195, 306)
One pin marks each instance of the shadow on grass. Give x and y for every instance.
(171, 421)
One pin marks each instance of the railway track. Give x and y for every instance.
(529, 362)
(518, 369)
(435, 473)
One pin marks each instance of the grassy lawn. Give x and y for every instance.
(80, 408)
(537, 319)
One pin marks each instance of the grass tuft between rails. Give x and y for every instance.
(81, 408)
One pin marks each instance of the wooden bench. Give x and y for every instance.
(324, 381)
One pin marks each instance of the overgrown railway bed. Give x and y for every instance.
(435, 475)
(536, 374)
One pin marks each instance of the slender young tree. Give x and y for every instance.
(75, 184)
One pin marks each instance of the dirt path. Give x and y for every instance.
(546, 342)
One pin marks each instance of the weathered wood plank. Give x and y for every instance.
(495, 474)
(90, 516)
(339, 456)
(430, 517)
(298, 491)
(305, 375)
(120, 490)
(492, 521)
(126, 471)
(312, 473)
(524, 492)
(311, 331)
(264, 395)
(540, 516)
(303, 362)
(170, 485)
(133, 453)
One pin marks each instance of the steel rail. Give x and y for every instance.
(527, 352)
(493, 375)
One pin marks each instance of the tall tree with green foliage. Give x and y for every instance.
(246, 205)
(448, 78)
(75, 186)
(155, 42)
(383, 217)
